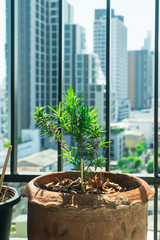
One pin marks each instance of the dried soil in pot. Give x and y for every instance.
(118, 216)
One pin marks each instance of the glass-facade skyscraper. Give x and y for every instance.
(140, 79)
(119, 58)
(37, 31)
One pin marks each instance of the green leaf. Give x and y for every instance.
(64, 150)
(53, 110)
(78, 121)
(67, 156)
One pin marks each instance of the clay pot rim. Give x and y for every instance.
(16, 197)
(36, 195)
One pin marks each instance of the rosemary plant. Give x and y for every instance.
(74, 118)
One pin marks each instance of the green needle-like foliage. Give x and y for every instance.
(80, 122)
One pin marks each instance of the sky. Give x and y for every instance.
(138, 18)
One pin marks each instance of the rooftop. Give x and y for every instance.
(134, 133)
(37, 161)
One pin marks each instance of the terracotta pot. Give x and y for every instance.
(118, 216)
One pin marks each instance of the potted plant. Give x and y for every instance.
(83, 205)
(9, 196)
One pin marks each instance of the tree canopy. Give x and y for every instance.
(130, 164)
(140, 148)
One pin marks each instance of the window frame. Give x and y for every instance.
(152, 179)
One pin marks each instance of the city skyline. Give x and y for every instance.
(137, 25)
(37, 56)
(135, 35)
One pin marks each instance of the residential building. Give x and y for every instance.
(29, 143)
(38, 33)
(47, 162)
(74, 43)
(82, 70)
(119, 58)
(100, 37)
(141, 124)
(117, 145)
(140, 79)
(123, 109)
(91, 82)
(147, 46)
(133, 137)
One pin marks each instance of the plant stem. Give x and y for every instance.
(5, 166)
(82, 174)
(81, 155)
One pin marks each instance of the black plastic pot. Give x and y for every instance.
(6, 213)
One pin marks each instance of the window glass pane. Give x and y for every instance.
(4, 84)
(84, 68)
(150, 235)
(132, 84)
(131, 121)
(37, 72)
(19, 215)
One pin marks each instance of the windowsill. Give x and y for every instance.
(149, 237)
(18, 239)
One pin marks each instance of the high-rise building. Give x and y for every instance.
(82, 70)
(91, 81)
(140, 79)
(74, 43)
(119, 58)
(8, 72)
(100, 37)
(38, 42)
(147, 42)
(147, 46)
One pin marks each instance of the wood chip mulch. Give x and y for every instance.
(5, 194)
(91, 186)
